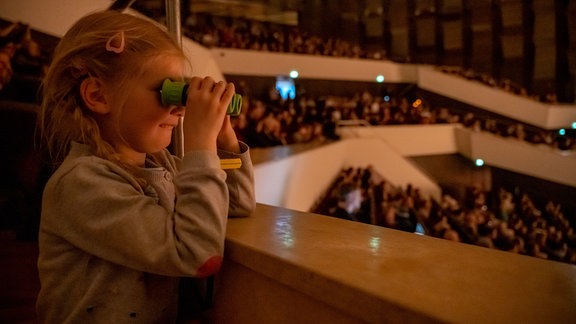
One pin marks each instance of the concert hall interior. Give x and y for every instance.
(414, 160)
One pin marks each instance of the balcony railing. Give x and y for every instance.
(284, 266)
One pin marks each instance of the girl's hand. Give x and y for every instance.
(227, 139)
(205, 116)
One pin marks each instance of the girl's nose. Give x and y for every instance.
(178, 110)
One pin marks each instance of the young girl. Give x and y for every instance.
(122, 219)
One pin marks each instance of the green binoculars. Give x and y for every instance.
(176, 93)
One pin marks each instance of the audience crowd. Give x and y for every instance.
(242, 33)
(498, 220)
(495, 219)
(271, 120)
(503, 84)
(22, 63)
(309, 118)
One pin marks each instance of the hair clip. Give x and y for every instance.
(116, 43)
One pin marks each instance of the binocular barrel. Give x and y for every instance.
(176, 93)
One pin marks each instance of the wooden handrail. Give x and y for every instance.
(336, 269)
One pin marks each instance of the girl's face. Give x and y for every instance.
(142, 125)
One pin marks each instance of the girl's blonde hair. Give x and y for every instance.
(85, 52)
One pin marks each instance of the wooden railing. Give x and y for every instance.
(284, 266)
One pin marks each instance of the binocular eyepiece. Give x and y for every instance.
(176, 93)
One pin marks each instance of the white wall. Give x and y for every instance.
(527, 110)
(255, 63)
(311, 173)
(202, 62)
(410, 140)
(52, 17)
(296, 182)
(387, 160)
(539, 161)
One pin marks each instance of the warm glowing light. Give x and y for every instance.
(284, 231)
(374, 244)
(294, 74)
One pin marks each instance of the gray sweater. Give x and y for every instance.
(112, 251)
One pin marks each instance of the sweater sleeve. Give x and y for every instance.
(240, 182)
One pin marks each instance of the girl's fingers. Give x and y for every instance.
(207, 84)
(219, 88)
(208, 93)
(195, 83)
(228, 92)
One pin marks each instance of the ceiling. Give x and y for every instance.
(276, 11)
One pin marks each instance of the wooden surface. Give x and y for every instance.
(378, 274)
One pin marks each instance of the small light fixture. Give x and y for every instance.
(293, 74)
(380, 78)
(479, 162)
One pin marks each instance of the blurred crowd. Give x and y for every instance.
(515, 224)
(22, 63)
(271, 120)
(241, 33)
(503, 84)
(502, 219)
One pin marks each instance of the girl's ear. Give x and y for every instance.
(92, 92)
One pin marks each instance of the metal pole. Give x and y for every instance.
(173, 22)
(121, 5)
